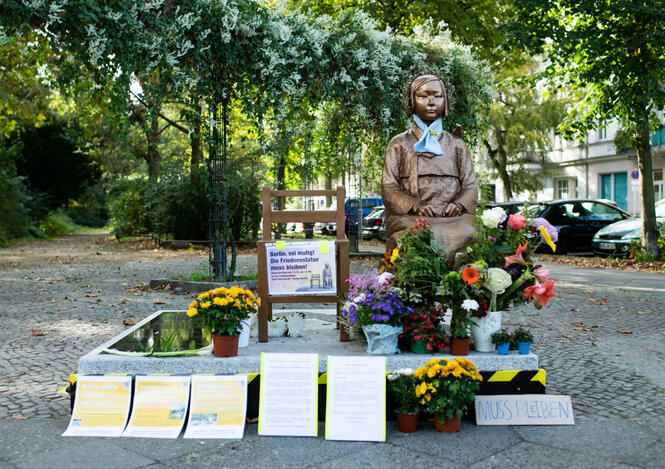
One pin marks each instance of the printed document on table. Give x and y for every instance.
(356, 399)
(288, 398)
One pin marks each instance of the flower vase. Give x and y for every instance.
(524, 347)
(459, 346)
(448, 425)
(225, 345)
(503, 349)
(419, 346)
(407, 423)
(483, 330)
(243, 338)
(382, 338)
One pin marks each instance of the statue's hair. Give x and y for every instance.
(419, 81)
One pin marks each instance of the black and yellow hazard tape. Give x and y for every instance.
(513, 382)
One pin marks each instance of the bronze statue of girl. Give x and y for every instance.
(428, 172)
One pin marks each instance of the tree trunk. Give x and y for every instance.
(152, 156)
(499, 160)
(328, 186)
(647, 202)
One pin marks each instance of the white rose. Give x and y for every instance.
(497, 280)
(492, 217)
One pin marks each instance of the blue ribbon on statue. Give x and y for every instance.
(428, 143)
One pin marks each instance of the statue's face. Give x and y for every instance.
(428, 101)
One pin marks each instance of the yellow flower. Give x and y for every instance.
(431, 372)
(428, 396)
(206, 305)
(421, 389)
(205, 295)
(193, 304)
(419, 372)
(432, 362)
(394, 255)
(218, 301)
(192, 312)
(547, 238)
(237, 303)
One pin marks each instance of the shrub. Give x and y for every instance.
(129, 215)
(57, 223)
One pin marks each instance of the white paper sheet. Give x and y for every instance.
(356, 399)
(288, 398)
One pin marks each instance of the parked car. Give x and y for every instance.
(612, 239)
(508, 207)
(577, 221)
(374, 224)
(327, 228)
(352, 207)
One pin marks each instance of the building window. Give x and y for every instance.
(564, 188)
(658, 185)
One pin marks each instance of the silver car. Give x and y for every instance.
(612, 239)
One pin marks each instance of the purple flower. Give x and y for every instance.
(554, 234)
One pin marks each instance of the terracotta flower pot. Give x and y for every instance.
(459, 346)
(225, 345)
(448, 425)
(407, 423)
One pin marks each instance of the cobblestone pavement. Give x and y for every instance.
(605, 348)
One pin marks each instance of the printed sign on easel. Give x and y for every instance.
(356, 399)
(160, 406)
(288, 396)
(217, 407)
(301, 267)
(101, 406)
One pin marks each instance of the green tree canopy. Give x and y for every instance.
(612, 53)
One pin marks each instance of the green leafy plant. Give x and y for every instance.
(522, 335)
(420, 264)
(447, 387)
(501, 337)
(402, 387)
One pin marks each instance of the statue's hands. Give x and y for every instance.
(424, 210)
(452, 210)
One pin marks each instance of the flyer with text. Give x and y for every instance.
(101, 406)
(217, 407)
(160, 406)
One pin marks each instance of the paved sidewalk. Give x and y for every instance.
(616, 379)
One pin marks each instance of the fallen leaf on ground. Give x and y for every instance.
(581, 328)
(158, 302)
(576, 310)
(587, 291)
(641, 312)
(643, 299)
(19, 417)
(591, 299)
(625, 331)
(595, 325)
(603, 301)
(130, 322)
(37, 332)
(569, 336)
(91, 295)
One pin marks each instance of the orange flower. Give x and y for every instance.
(470, 275)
